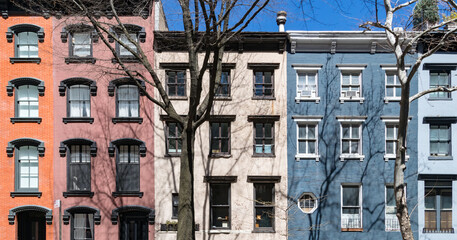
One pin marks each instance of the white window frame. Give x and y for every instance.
(389, 68)
(307, 69)
(359, 185)
(351, 68)
(312, 197)
(351, 120)
(307, 120)
(390, 218)
(391, 121)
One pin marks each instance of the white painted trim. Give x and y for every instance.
(305, 122)
(315, 202)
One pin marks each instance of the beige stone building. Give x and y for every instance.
(240, 155)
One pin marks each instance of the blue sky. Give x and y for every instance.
(320, 15)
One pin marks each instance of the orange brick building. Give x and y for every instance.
(26, 126)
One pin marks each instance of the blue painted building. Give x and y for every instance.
(343, 111)
(437, 133)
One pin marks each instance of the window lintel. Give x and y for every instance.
(81, 209)
(25, 81)
(440, 120)
(77, 141)
(307, 67)
(351, 67)
(78, 28)
(74, 81)
(307, 119)
(440, 66)
(219, 179)
(25, 142)
(269, 66)
(264, 179)
(222, 118)
(127, 141)
(351, 119)
(24, 28)
(263, 118)
(132, 29)
(122, 81)
(149, 212)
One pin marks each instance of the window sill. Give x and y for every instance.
(219, 231)
(127, 120)
(126, 60)
(179, 98)
(78, 120)
(220, 155)
(25, 120)
(442, 158)
(266, 230)
(392, 99)
(25, 60)
(222, 98)
(128, 194)
(447, 230)
(25, 194)
(352, 229)
(351, 157)
(259, 155)
(78, 194)
(388, 157)
(263, 98)
(307, 99)
(299, 157)
(440, 99)
(172, 155)
(353, 99)
(80, 60)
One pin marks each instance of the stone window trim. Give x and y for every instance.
(149, 212)
(132, 29)
(78, 28)
(64, 145)
(65, 85)
(352, 120)
(307, 69)
(13, 211)
(81, 209)
(127, 141)
(352, 68)
(18, 28)
(17, 82)
(25, 142)
(308, 120)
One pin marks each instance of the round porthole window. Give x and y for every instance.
(307, 202)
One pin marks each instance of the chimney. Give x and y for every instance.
(281, 20)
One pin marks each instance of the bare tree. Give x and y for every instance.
(208, 26)
(433, 37)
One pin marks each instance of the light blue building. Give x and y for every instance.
(437, 133)
(343, 111)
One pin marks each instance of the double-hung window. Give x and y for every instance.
(136, 34)
(223, 91)
(351, 137)
(264, 138)
(393, 87)
(391, 141)
(128, 101)
(391, 220)
(26, 38)
(307, 82)
(81, 44)
(27, 45)
(82, 226)
(264, 206)
(27, 168)
(351, 207)
(438, 207)
(79, 168)
(220, 205)
(79, 101)
(174, 205)
(307, 137)
(176, 83)
(174, 140)
(440, 140)
(263, 84)
(220, 138)
(27, 101)
(351, 82)
(440, 79)
(124, 52)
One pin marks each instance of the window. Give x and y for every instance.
(137, 35)
(393, 86)
(351, 208)
(81, 44)
(263, 84)
(82, 226)
(26, 38)
(128, 152)
(79, 101)
(26, 45)
(220, 205)
(440, 79)
(438, 207)
(123, 51)
(350, 84)
(264, 195)
(391, 140)
(440, 140)
(220, 138)
(176, 83)
(27, 168)
(224, 86)
(307, 202)
(351, 139)
(174, 140)
(128, 101)
(264, 138)
(391, 220)
(79, 168)
(27, 101)
(174, 205)
(307, 139)
(307, 85)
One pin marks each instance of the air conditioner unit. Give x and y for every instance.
(351, 94)
(305, 93)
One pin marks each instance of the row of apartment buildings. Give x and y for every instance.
(300, 143)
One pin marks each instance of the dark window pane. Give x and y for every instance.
(220, 217)
(350, 196)
(264, 217)
(220, 194)
(264, 193)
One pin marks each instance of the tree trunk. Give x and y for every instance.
(400, 166)
(186, 220)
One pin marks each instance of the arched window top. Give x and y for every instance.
(25, 142)
(78, 141)
(13, 211)
(25, 81)
(124, 81)
(78, 28)
(64, 84)
(25, 28)
(127, 141)
(131, 28)
(81, 209)
(149, 212)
